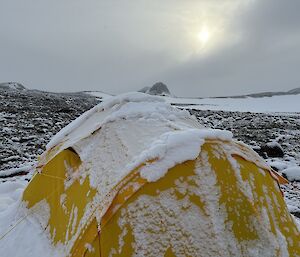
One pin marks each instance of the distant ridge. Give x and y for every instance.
(294, 91)
(158, 88)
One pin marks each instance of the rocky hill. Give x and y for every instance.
(294, 91)
(158, 88)
(12, 85)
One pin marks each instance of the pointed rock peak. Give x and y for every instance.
(158, 88)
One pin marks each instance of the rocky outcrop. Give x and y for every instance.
(158, 88)
(12, 85)
(294, 91)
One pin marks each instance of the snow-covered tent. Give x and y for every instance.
(135, 176)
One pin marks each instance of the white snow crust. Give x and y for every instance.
(173, 148)
(94, 118)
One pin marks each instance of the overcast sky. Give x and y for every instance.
(196, 47)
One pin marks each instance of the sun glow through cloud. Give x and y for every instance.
(204, 36)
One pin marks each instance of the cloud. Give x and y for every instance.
(116, 46)
(78, 45)
(265, 57)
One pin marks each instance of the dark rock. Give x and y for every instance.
(273, 149)
(274, 168)
(296, 214)
(158, 88)
(283, 175)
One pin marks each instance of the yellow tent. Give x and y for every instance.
(135, 176)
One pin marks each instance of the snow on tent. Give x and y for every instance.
(135, 176)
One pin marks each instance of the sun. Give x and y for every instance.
(203, 36)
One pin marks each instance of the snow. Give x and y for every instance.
(280, 104)
(292, 173)
(93, 119)
(13, 171)
(273, 104)
(20, 234)
(279, 165)
(274, 144)
(174, 147)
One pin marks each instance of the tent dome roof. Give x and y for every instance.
(125, 131)
(130, 129)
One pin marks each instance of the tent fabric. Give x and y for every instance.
(135, 176)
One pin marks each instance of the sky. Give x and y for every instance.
(196, 47)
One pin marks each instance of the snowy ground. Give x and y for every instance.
(281, 104)
(28, 119)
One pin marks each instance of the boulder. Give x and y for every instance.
(273, 149)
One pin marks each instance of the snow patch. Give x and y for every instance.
(15, 171)
(20, 233)
(292, 173)
(173, 148)
(93, 118)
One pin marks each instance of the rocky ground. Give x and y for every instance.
(28, 119)
(259, 129)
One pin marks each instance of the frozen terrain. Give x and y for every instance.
(281, 104)
(30, 118)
